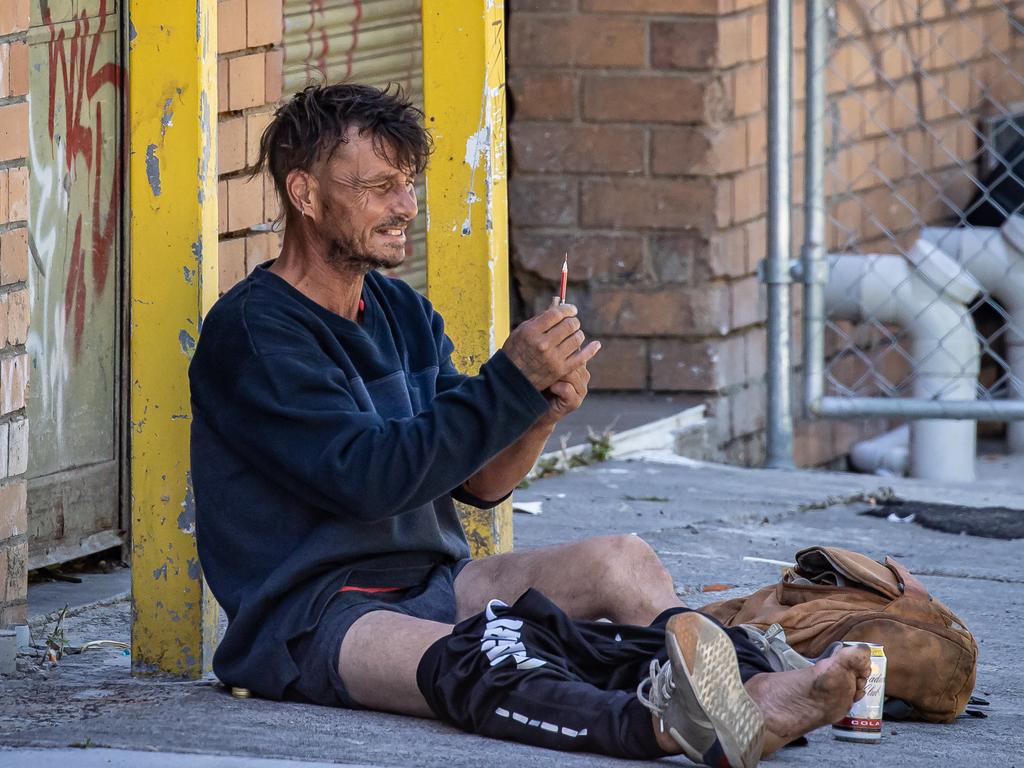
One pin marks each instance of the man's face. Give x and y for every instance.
(366, 205)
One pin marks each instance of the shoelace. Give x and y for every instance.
(772, 643)
(660, 685)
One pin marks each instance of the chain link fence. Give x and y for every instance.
(914, 117)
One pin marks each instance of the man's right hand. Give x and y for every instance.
(546, 348)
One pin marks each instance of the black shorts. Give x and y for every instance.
(316, 653)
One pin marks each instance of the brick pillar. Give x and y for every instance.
(638, 145)
(14, 310)
(249, 80)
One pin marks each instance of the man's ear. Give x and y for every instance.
(303, 193)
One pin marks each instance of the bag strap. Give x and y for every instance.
(911, 588)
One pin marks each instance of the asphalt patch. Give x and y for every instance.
(986, 522)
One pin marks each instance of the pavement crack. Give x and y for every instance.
(872, 497)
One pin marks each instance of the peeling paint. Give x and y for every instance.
(161, 571)
(187, 518)
(206, 32)
(153, 169)
(167, 118)
(426, 208)
(478, 144)
(206, 129)
(195, 572)
(188, 274)
(132, 33)
(188, 344)
(197, 248)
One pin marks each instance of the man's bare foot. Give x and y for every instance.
(798, 701)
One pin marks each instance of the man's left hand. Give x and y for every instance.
(565, 395)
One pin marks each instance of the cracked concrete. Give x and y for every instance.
(703, 519)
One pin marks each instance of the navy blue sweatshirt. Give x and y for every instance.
(326, 453)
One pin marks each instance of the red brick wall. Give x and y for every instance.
(638, 145)
(249, 76)
(14, 309)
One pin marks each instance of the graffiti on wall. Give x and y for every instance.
(75, 190)
(324, 36)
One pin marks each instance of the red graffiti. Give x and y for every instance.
(317, 7)
(319, 42)
(351, 52)
(73, 69)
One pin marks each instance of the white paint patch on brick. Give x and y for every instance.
(17, 452)
(13, 375)
(3, 450)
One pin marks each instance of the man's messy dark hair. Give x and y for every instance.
(312, 125)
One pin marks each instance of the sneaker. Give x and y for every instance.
(779, 653)
(772, 643)
(699, 697)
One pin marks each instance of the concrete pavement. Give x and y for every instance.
(704, 520)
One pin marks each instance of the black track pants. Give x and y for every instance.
(529, 673)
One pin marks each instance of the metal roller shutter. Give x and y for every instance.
(369, 41)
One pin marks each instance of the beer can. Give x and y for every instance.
(863, 723)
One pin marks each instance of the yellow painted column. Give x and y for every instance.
(172, 102)
(467, 221)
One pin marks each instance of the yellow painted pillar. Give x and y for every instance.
(467, 230)
(172, 102)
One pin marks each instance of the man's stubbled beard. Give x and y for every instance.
(346, 256)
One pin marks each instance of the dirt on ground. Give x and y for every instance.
(82, 684)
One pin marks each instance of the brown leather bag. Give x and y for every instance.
(835, 594)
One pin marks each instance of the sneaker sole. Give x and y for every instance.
(705, 656)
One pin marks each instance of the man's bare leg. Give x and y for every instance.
(614, 577)
(379, 658)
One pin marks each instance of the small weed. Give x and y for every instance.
(598, 448)
(57, 639)
(600, 445)
(548, 467)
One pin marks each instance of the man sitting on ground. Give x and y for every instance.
(331, 433)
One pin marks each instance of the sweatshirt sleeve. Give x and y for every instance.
(297, 420)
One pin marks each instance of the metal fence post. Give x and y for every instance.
(815, 266)
(777, 270)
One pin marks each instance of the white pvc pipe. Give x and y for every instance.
(885, 454)
(996, 259)
(944, 348)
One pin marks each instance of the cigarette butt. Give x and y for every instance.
(717, 587)
(240, 693)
